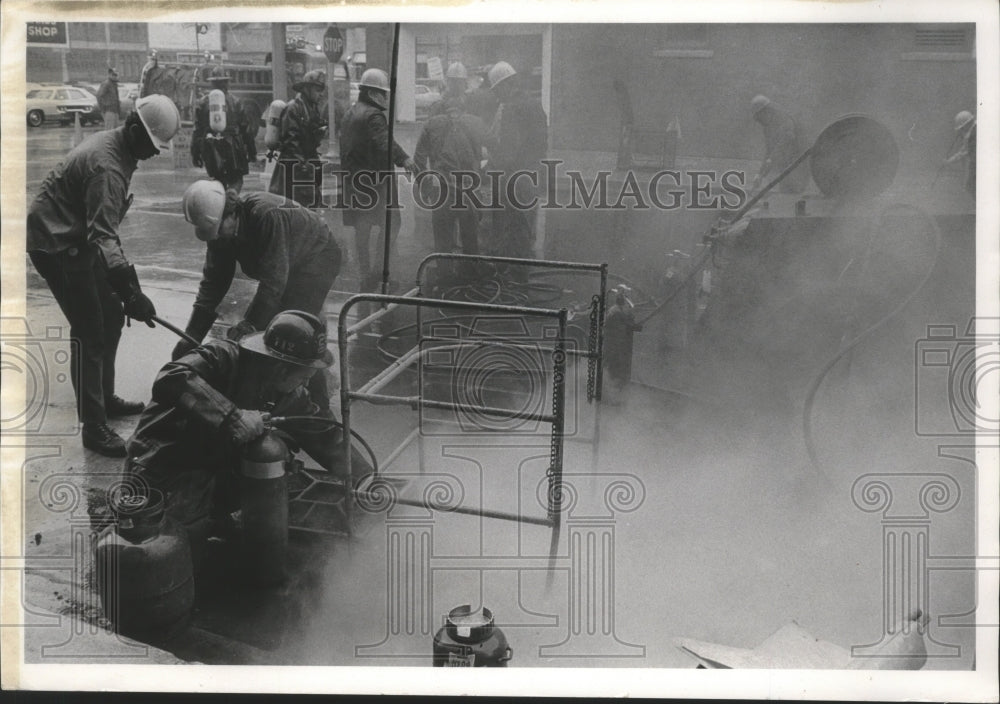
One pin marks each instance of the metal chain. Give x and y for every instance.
(555, 450)
(595, 303)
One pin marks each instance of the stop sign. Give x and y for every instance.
(333, 44)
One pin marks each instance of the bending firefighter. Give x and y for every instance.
(212, 401)
(286, 247)
(73, 242)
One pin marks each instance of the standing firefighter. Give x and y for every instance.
(223, 138)
(286, 247)
(457, 85)
(72, 240)
(783, 144)
(211, 402)
(364, 148)
(519, 143)
(303, 125)
(107, 100)
(965, 137)
(451, 146)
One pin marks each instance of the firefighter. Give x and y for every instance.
(364, 147)
(783, 144)
(149, 70)
(451, 144)
(457, 84)
(303, 127)
(72, 239)
(213, 399)
(519, 140)
(107, 100)
(285, 246)
(965, 137)
(224, 150)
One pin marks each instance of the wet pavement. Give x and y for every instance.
(698, 514)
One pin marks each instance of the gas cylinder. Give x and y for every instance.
(469, 638)
(217, 110)
(144, 570)
(264, 508)
(272, 126)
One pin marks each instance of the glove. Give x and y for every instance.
(245, 425)
(198, 326)
(240, 330)
(125, 283)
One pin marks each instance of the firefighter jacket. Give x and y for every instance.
(303, 126)
(364, 147)
(228, 154)
(83, 200)
(107, 97)
(520, 135)
(183, 429)
(451, 141)
(277, 243)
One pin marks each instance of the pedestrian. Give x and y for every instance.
(149, 70)
(73, 242)
(619, 329)
(211, 401)
(303, 126)
(456, 88)
(107, 100)
(518, 144)
(287, 248)
(965, 137)
(364, 149)
(450, 147)
(224, 136)
(783, 144)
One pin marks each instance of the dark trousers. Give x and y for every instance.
(306, 290)
(444, 220)
(79, 283)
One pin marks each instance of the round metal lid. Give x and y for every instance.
(466, 624)
(855, 157)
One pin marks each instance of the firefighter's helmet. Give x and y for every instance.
(294, 337)
(962, 119)
(500, 72)
(315, 78)
(161, 119)
(204, 205)
(375, 78)
(456, 69)
(758, 103)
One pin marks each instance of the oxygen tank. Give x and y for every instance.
(264, 508)
(272, 126)
(217, 110)
(144, 572)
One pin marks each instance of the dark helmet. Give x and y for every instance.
(311, 78)
(218, 74)
(294, 337)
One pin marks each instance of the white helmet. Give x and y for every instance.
(456, 69)
(161, 119)
(962, 119)
(500, 71)
(375, 78)
(204, 204)
(758, 103)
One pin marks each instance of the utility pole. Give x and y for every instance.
(278, 72)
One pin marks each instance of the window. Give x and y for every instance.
(40, 94)
(61, 95)
(680, 40)
(76, 95)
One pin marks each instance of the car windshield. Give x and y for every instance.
(77, 95)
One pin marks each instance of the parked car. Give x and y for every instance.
(425, 97)
(60, 103)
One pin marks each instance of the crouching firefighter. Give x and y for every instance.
(286, 247)
(209, 404)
